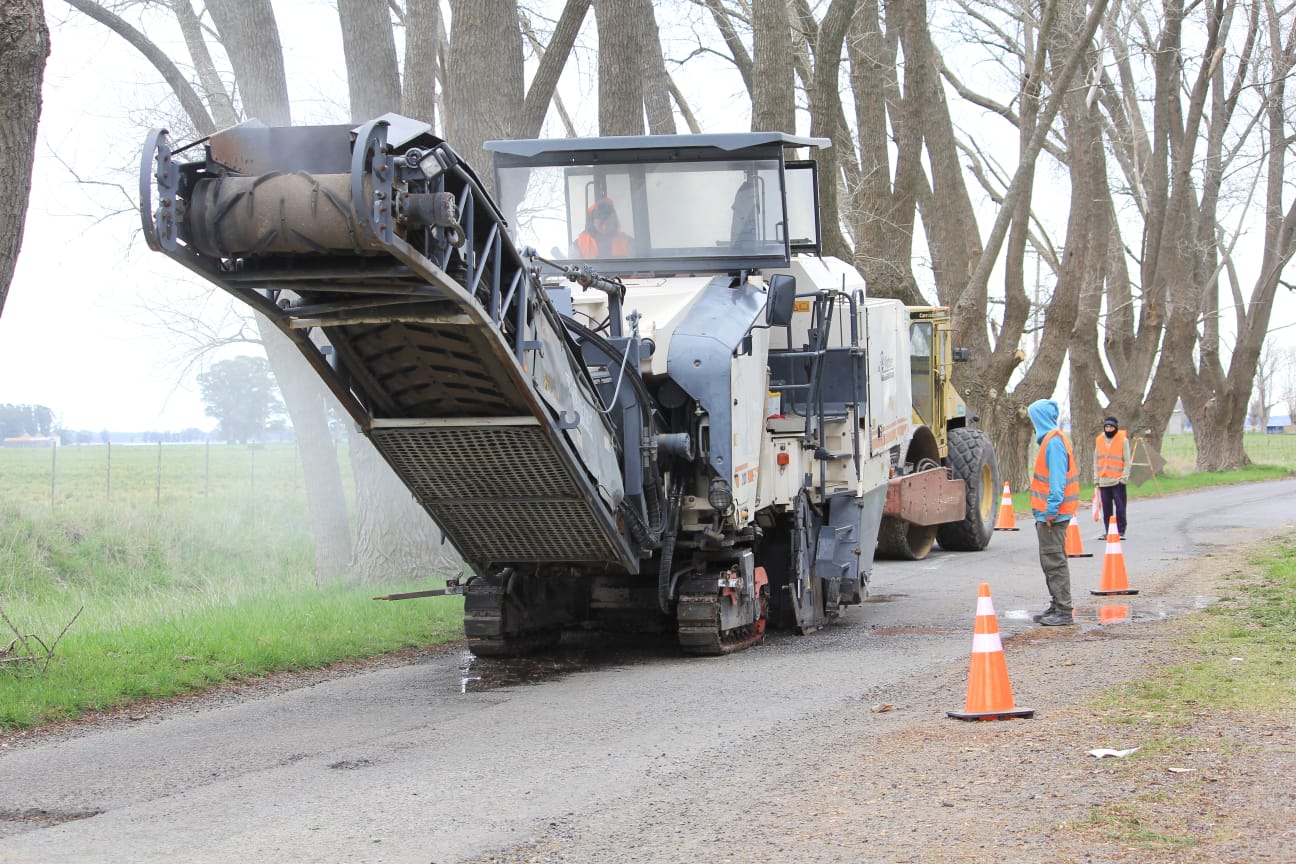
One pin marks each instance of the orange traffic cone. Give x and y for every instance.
(989, 695)
(1114, 580)
(1006, 521)
(1095, 506)
(1074, 548)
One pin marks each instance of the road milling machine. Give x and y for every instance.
(681, 416)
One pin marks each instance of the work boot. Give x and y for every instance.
(1041, 616)
(1056, 618)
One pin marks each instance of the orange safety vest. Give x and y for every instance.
(1111, 455)
(589, 246)
(1039, 487)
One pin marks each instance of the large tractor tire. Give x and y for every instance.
(904, 541)
(972, 460)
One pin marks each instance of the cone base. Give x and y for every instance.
(1121, 591)
(992, 715)
(1007, 529)
(1079, 554)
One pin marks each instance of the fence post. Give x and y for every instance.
(108, 475)
(53, 470)
(206, 467)
(157, 495)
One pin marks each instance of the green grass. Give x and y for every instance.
(214, 583)
(1240, 663)
(1180, 451)
(1245, 660)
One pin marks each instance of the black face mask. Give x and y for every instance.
(1109, 431)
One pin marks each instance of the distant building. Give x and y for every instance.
(26, 440)
(1280, 420)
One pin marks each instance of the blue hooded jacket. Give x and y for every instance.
(1044, 414)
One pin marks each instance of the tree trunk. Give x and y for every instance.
(554, 58)
(620, 68)
(484, 92)
(222, 107)
(773, 75)
(825, 106)
(656, 81)
(24, 45)
(1217, 432)
(396, 540)
(369, 49)
(251, 38)
(418, 87)
(883, 211)
(307, 403)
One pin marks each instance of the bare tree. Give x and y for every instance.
(620, 67)
(369, 49)
(773, 73)
(24, 45)
(484, 77)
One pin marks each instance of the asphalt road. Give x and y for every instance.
(447, 758)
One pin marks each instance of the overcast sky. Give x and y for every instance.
(77, 332)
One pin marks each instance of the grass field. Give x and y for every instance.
(194, 574)
(192, 564)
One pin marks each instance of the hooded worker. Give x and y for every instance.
(1054, 498)
(602, 237)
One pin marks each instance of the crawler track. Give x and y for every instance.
(699, 627)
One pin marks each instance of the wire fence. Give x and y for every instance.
(158, 474)
(163, 474)
(1180, 451)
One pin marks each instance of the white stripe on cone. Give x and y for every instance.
(985, 606)
(1113, 537)
(986, 643)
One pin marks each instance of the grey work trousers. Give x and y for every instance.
(1053, 560)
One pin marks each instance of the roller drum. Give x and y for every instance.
(234, 216)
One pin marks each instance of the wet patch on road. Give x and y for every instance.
(39, 816)
(578, 652)
(351, 764)
(912, 631)
(885, 598)
(1128, 609)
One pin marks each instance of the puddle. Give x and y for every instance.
(1128, 609)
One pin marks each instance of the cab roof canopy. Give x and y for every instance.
(654, 148)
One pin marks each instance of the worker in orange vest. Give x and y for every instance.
(1054, 499)
(1112, 472)
(602, 237)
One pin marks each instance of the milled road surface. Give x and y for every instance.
(443, 760)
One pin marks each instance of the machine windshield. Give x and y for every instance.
(650, 215)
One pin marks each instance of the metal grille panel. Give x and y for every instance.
(501, 493)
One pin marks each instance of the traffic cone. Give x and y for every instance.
(1114, 580)
(1006, 521)
(1095, 507)
(989, 695)
(1074, 548)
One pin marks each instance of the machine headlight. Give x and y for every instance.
(720, 496)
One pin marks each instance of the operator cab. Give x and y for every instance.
(661, 204)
